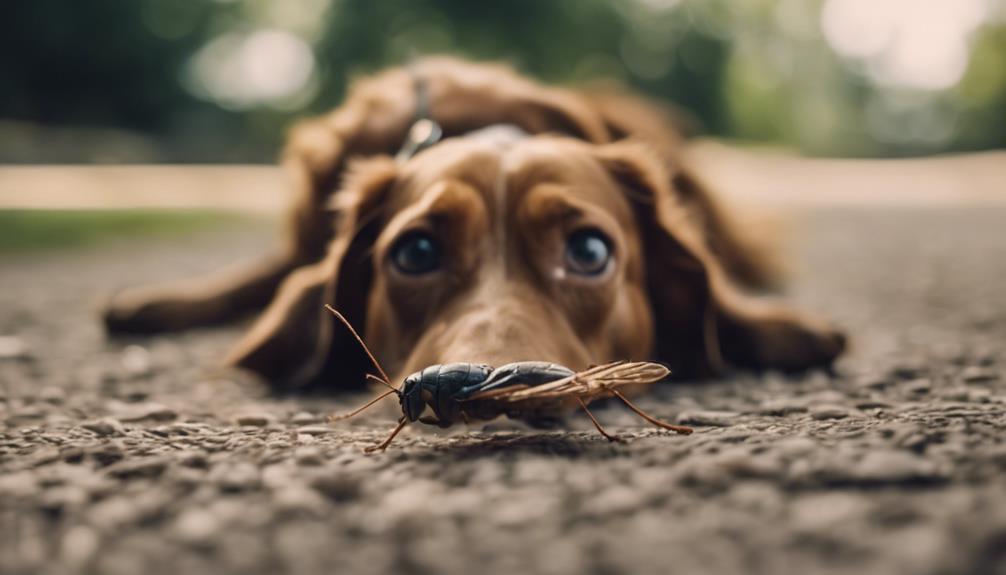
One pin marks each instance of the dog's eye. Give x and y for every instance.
(416, 253)
(588, 252)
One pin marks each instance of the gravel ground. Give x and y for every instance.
(136, 456)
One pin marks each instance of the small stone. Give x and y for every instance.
(13, 347)
(908, 369)
(235, 476)
(337, 487)
(308, 455)
(18, 485)
(895, 467)
(613, 500)
(708, 418)
(151, 466)
(315, 430)
(253, 419)
(299, 499)
(149, 412)
(795, 447)
(136, 360)
(918, 386)
(72, 454)
(113, 513)
(79, 545)
(63, 498)
(976, 374)
(873, 404)
(195, 526)
(305, 418)
(107, 453)
(873, 381)
(104, 427)
(52, 394)
(45, 455)
(829, 411)
(193, 459)
(781, 408)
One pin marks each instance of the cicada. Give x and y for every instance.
(467, 392)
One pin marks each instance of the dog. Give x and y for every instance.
(546, 224)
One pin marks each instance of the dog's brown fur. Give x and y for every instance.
(502, 210)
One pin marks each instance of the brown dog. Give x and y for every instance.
(547, 225)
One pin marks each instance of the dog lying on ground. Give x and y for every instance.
(548, 224)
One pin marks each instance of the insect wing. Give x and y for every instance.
(585, 384)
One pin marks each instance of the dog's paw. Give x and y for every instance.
(787, 342)
(135, 312)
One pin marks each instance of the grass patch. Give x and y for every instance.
(24, 230)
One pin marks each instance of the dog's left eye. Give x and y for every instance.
(416, 253)
(588, 252)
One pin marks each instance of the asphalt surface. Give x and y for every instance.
(137, 457)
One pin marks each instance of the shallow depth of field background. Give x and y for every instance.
(194, 81)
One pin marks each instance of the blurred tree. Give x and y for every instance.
(210, 81)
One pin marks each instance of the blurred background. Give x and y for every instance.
(200, 81)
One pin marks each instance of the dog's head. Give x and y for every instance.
(500, 246)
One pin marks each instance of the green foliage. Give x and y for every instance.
(22, 230)
(759, 69)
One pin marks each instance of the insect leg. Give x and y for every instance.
(384, 444)
(597, 424)
(663, 424)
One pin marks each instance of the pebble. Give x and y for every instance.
(238, 476)
(306, 418)
(918, 386)
(708, 418)
(336, 486)
(615, 499)
(13, 347)
(136, 360)
(18, 485)
(52, 394)
(895, 467)
(308, 455)
(48, 454)
(253, 419)
(148, 412)
(299, 499)
(150, 466)
(104, 427)
(314, 430)
(782, 407)
(977, 374)
(196, 527)
(873, 381)
(829, 411)
(79, 546)
(106, 453)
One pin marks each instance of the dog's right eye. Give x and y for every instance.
(416, 253)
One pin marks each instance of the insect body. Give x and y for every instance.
(440, 387)
(468, 391)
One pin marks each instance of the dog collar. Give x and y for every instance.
(425, 131)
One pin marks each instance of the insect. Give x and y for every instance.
(469, 391)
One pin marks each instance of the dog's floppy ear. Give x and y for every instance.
(296, 340)
(703, 323)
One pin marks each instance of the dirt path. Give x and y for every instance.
(129, 458)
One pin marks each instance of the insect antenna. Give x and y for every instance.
(373, 377)
(362, 408)
(359, 339)
(383, 379)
